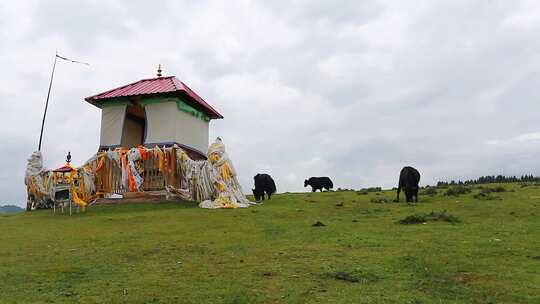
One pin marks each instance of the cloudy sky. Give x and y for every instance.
(353, 90)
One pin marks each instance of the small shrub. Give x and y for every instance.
(413, 219)
(362, 192)
(486, 193)
(433, 216)
(318, 224)
(499, 189)
(486, 190)
(379, 200)
(372, 189)
(458, 190)
(431, 191)
(486, 196)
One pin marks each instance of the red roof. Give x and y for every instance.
(160, 85)
(65, 168)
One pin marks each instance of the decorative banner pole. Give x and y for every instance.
(47, 103)
(56, 56)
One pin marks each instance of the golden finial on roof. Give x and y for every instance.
(159, 71)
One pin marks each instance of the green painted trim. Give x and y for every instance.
(184, 107)
(113, 102)
(154, 100)
(180, 105)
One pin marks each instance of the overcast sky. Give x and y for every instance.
(354, 90)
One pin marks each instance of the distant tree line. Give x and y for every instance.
(493, 179)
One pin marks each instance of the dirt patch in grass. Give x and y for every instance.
(432, 216)
(354, 276)
(470, 277)
(344, 277)
(486, 197)
(380, 200)
(318, 224)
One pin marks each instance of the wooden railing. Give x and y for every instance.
(153, 179)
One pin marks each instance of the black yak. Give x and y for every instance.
(409, 178)
(318, 183)
(263, 183)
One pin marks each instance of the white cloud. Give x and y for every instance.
(525, 138)
(529, 136)
(346, 89)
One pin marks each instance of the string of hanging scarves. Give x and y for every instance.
(212, 182)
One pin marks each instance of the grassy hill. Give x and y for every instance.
(178, 253)
(10, 209)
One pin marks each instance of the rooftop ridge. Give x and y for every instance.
(155, 85)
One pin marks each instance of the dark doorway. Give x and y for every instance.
(134, 131)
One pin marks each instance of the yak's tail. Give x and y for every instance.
(272, 187)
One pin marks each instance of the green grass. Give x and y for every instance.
(178, 253)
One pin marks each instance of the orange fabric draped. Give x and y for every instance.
(161, 158)
(104, 174)
(143, 153)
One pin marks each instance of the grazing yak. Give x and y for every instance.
(318, 183)
(409, 178)
(263, 183)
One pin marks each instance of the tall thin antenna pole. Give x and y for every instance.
(47, 102)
